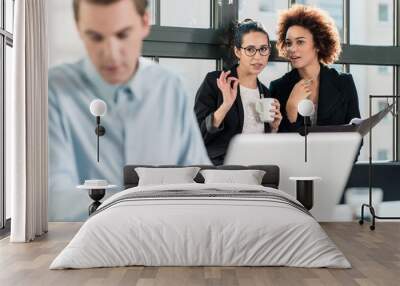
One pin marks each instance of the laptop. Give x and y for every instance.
(330, 156)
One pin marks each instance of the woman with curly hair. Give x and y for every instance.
(308, 38)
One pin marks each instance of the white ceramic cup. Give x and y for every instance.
(265, 109)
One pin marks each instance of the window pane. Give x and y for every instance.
(150, 58)
(188, 13)
(265, 11)
(1, 16)
(9, 15)
(191, 71)
(370, 80)
(338, 67)
(334, 9)
(8, 91)
(273, 71)
(371, 22)
(152, 11)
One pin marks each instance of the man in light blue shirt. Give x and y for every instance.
(148, 119)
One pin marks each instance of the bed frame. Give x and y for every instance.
(270, 179)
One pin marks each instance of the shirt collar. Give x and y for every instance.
(105, 89)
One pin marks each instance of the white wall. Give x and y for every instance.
(64, 42)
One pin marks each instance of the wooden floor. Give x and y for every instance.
(374, 255)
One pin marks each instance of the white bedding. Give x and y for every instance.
(200, 231)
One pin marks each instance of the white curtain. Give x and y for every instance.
(26, 123)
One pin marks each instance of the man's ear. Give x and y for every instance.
(145, 24)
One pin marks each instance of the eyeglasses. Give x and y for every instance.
(251, 51)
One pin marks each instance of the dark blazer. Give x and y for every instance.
(337, 100)
(208, 99)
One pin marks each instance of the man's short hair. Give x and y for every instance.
(141, 5)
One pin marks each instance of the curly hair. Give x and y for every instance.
(319, 23)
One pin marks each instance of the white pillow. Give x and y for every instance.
(163, 176)
(248, 177)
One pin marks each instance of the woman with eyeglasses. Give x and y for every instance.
(226, 102)
(308, 37)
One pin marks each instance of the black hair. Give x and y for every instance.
(234, 34)
(245, 27)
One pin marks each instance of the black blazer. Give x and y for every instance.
(208, 99)
(337, 101)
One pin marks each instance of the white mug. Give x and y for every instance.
(265, 109)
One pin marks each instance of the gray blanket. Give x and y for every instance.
(206, 193)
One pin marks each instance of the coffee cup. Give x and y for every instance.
(265, 109)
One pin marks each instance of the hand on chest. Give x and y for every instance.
(314, 91)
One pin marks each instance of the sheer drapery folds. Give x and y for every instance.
(26, 123)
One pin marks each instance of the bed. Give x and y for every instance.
(201, 224)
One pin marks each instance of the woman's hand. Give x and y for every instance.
(277, 117)
(300, 91)
(228, 87)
